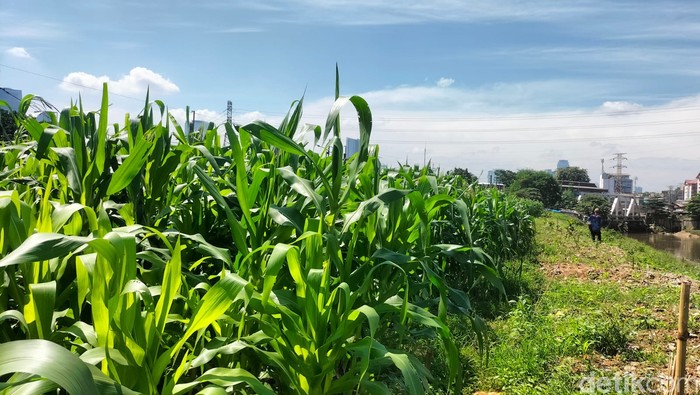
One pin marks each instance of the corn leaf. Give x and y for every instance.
(47, 360)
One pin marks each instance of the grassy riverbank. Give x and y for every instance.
(585, 310)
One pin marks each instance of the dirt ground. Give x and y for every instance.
(645, 341)
(624, 274)
(685, 235)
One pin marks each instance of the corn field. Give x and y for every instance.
(138, 258)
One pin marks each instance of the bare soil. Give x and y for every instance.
(645, 341)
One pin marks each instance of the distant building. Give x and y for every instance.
(196, 126)
(201, 125)
(582, 188)
(620, 190)
(611, 183)
(562, 164)
(12, 97)
(43, 116)
(492, 178)
(352, 146)
(691, 187)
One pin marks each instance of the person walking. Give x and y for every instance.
(595, 223)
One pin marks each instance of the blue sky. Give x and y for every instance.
(473, 84)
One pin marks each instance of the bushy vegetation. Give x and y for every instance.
(572, 173)
(693, 207)
(139, 259)
(7, 125)
(588, 203)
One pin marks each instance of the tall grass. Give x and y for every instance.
(155, 261)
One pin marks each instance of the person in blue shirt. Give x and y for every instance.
(595, 223)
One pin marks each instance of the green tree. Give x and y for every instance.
(693, 207)
(588, 203)
(505, 177)
(548, 188)
(655, 204)
(464, 173)
(8, 127)
(568, 199)
(529, 193)
(572, 173)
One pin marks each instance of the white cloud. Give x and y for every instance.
(18, 52)
(202, 114)
(525, 96)
(619, 107)
(498, 131)
(136, 82)
(445, 82)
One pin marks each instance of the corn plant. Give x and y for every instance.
(150, 260)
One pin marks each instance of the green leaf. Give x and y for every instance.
(69, 167)
(41, 247)
(270, 135)
(215, 303)
(373, 204)
(101, 137)
(280, 254)
(302, 186)
(237, 231)
(364, 118)
(209, 156)
(40, 309)
(287, 216)
(225, 377)
(15, 315)
(47, 360)
(130, 168)
(171, 286)
(62, 214)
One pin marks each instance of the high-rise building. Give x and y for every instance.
(351, 146)
(12, 97)
(492, 177)
(562, 164)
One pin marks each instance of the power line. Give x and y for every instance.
(495, 118)
(500, 118)
(531, 141)
(68, 82)
(11, 94)
(554, 128)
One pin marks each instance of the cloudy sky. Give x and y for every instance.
(482, 84)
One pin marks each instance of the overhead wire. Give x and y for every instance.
(554, 128)
(540, 141)
(68, 82)
(464, 119)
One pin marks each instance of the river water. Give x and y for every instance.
(688, 248)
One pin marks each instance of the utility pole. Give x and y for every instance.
(670, 196)
(229, 119)
(192, 128)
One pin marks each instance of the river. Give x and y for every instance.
(682, 247)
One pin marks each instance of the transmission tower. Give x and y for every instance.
(619, 159)
(229, 119)
(618, 171)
